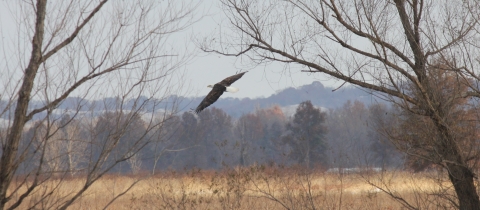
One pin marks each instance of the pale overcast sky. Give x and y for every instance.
(261, 81)
(206, 69)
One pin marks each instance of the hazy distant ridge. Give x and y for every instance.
(319, 95)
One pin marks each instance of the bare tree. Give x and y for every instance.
(90, 49)
(249, 130)
(73, 144)
(384, 153)
(347, 136)
(46, 144)
(165, 141)
(378, 45)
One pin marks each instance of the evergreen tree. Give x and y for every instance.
(305, 135)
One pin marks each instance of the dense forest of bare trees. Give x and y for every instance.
(345, 137)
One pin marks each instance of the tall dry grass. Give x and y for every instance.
(254, 188)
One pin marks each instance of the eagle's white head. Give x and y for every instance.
(229, 89)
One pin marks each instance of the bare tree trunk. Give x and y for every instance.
(8, 164)
(462, 180)
(458, 172)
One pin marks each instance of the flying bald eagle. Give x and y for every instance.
(217, 91)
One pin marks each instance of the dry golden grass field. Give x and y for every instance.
(253, 188)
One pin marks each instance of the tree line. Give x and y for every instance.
(342, 137)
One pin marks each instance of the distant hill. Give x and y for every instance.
(320, 96)
(317, 93)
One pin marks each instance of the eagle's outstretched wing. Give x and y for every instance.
(214, 94)
(229, 80)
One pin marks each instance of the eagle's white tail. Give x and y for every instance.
(232, 89)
